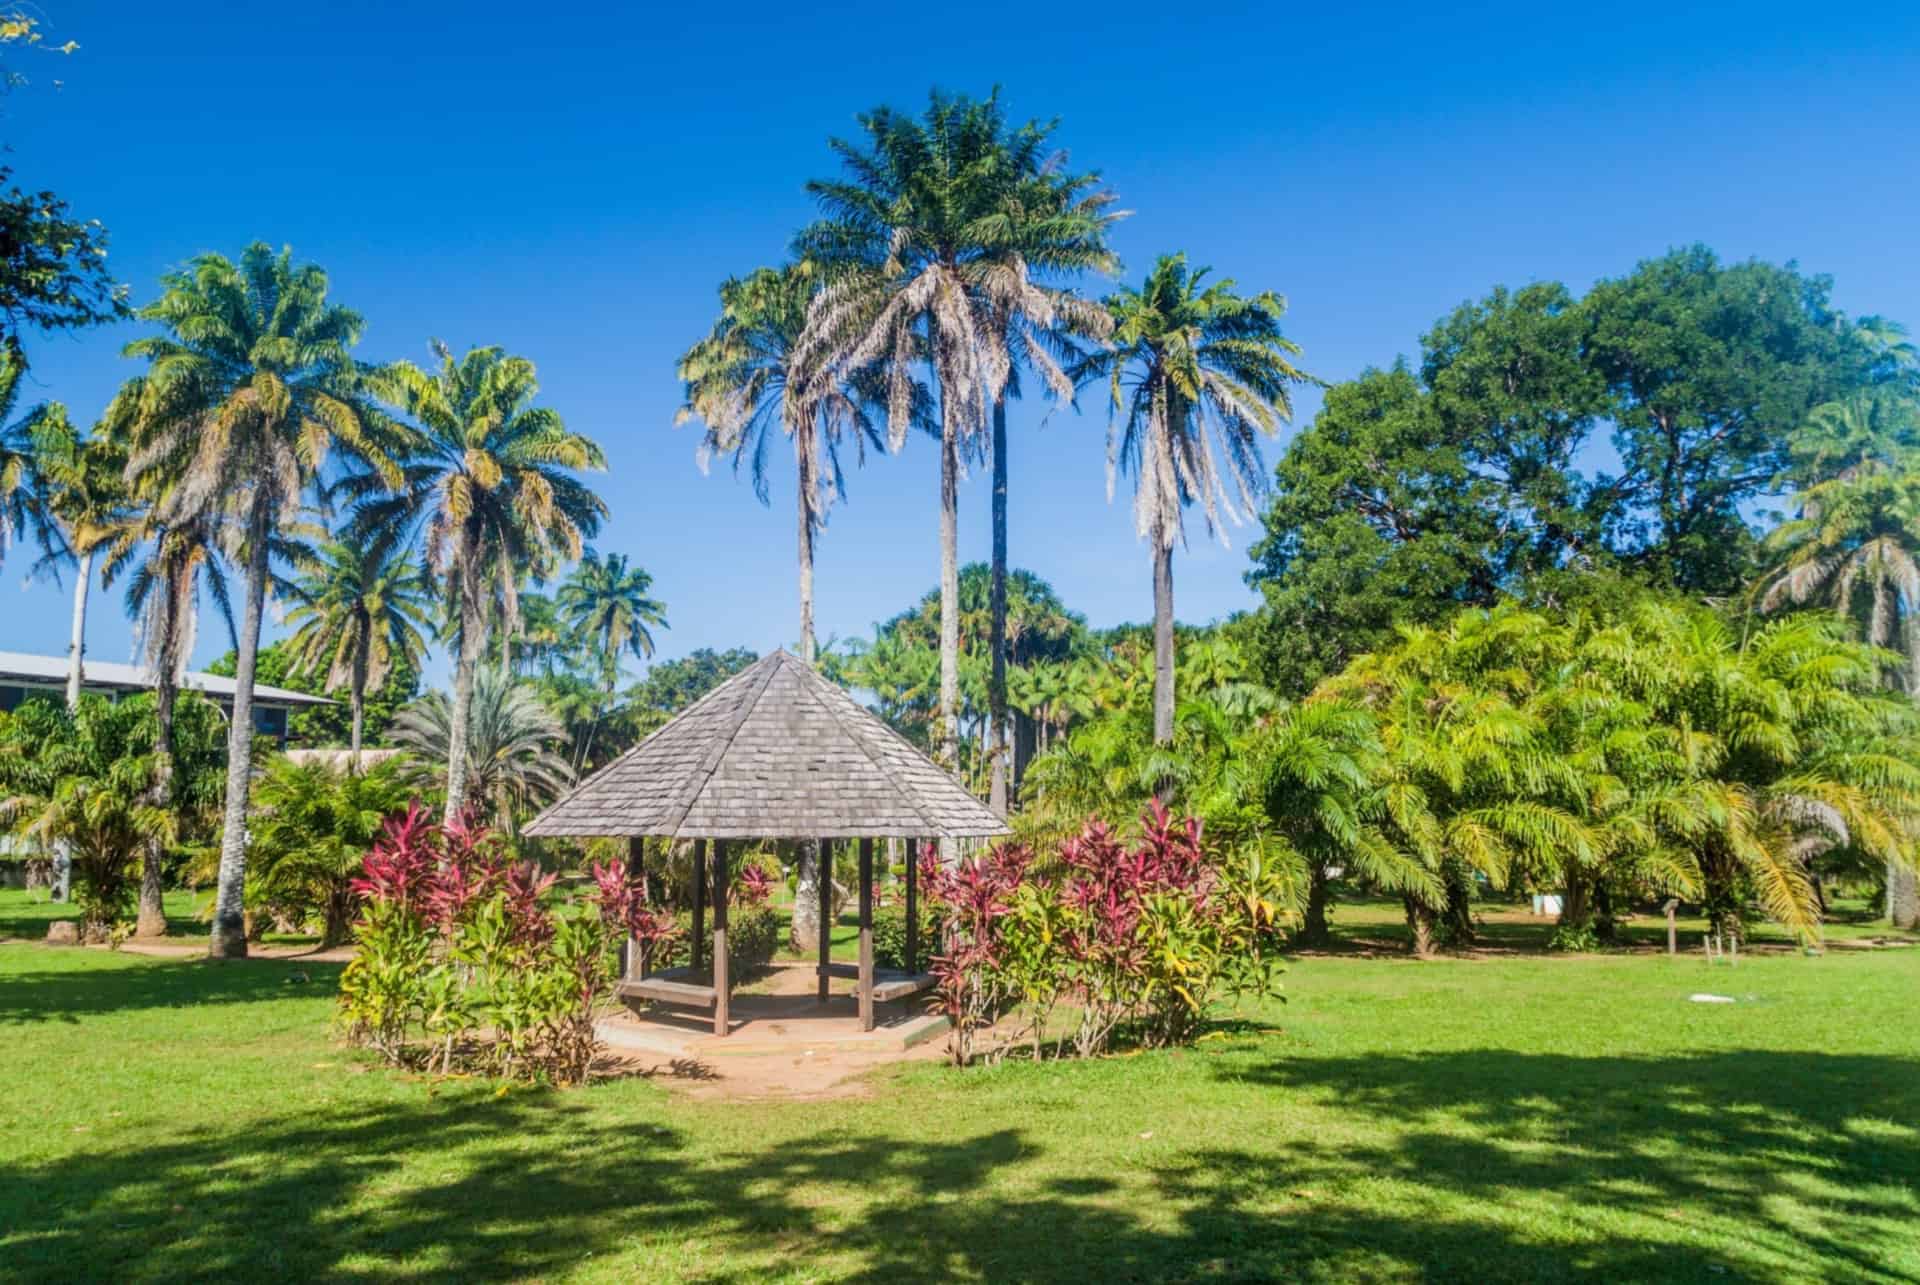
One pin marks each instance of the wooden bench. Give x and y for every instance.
(664, 987)
(901, 985)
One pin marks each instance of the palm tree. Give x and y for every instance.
(607, 607)
(744, 380)
(23, 500)
(166, 567)
(1187, 356)
(491, 480)
(925, 267)
(247, 395)
(508, 741)
(1057, 226)
(315, 825)
(1855, 545)
(360, 608)
(86, 494)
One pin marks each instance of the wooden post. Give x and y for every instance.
(636, 962)
(823, 872)
(697, 949)
(1673, 929)
(866, 934)
(720, 937)
(913, 912)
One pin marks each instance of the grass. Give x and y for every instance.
(1512, 1118)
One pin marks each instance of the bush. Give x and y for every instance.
(890, 937)
(456, 940)
(753, 935)
(1145, 939)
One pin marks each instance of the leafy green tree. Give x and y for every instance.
(1379, 518)
(85, 778)
(745, 380)
(1191, 364)
(1709, 367)
(332, 725)
(672, 685)
(250, 389)
(606, 602)
(511, 763)
(490, 477)
(359, 610)
(53, 269)
(313, 826)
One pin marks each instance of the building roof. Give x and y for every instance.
(102, 675)
(775, 752)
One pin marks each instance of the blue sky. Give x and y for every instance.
(573, 184)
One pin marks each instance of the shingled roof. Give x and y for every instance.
(774, 752)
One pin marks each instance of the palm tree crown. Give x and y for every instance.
(490, 480)
(360, 608)
(606, 601)
(745, 378)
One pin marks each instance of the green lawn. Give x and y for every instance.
(1519, 1118)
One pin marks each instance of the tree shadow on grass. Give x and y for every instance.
(472, 1186)
(70, 994)
(1805, 1157)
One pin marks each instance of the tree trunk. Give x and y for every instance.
(1903, 897)
(1605, 926)
(357, 695)
(815, 877)
(805, 547)
(1162, 637)
(1315, 929)
(949, 588)
(229, 910)
(76, 648)
(152, 921)
(1420, 926)
(471, 645)
(1722, 902)
(998, 794)
(1575, 911)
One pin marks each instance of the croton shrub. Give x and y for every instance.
(465, 957)
(1131, 940)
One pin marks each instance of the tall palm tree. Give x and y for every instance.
(166, 565)
(1057, 225)
(926, 268)
(248, 393)
(744, 382)
(1186, 357)
(1855, 545)
(23, 500)
(491, 480)
(86, 494)
(360, 608)
(607, 602)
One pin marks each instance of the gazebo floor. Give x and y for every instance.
(800, 1045)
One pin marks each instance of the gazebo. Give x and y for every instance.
(775, 752)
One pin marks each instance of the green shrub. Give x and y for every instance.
(890, 937)
(753, 934)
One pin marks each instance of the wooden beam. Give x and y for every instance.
(720, 988)
(637, 963)
(698, 947)
(912, 961)
(866, 934)
(823, 892)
